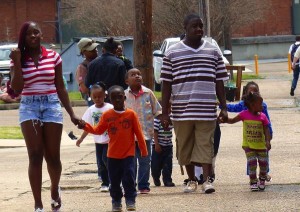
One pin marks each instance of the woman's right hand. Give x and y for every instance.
(15, 55)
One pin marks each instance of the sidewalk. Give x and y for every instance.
(80, 188)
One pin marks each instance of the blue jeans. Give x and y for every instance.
(162, 163)
(295, 76)
(143, 169)
(45, 108)
(101, 156)
(122, 170)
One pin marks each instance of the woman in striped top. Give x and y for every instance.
(37, 74)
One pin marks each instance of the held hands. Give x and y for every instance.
(77, 121)
(223, 116)
(81, 124)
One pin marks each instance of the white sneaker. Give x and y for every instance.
(208, 187)
(191, 186)
(104, 189)
(39, 210)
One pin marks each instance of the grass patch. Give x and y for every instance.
(75, 95)
(157, 94)
(11, 133)
(247, 76)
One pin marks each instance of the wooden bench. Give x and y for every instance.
(238, 81)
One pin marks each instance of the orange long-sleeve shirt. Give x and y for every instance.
(121, 129)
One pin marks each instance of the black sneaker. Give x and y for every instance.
(212, 178)
(157, 182)
(200, 181)
(292, 92)
(185, 182)
(117, 207)
(169, 184)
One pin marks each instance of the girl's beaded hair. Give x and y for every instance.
(98, 85)
(246, 87)
(251, 98)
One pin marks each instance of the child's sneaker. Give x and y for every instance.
(200, 179)
(261, 184)
(254, 187)
(157, 182)
(104, 188)
(130, 207)
(39, 210)
(190, 186)
(169, 184)
(116, 207)
(208, 187)
(144, 191)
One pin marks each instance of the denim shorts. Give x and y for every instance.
(44, 108)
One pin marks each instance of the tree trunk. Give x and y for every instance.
(142, 41)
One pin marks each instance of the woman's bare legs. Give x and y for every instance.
(33, 134)
(52, 141)
(43, 140)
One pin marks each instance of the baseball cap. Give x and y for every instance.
(86, 44)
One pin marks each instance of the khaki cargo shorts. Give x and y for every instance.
(194, 141)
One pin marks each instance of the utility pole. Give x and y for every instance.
(207, 18)
(204, 13)
(59, 23)
(142, 41)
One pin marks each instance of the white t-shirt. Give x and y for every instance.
(92, 116)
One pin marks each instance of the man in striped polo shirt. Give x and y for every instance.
(192, 75)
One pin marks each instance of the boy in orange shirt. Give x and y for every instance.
(122, 125)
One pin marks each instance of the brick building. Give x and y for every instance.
(15, 12)
(278, 21)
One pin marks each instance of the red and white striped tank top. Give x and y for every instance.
(40, 80)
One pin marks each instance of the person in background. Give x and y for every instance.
(88, 49)
(92, 116)
(256, 139)
(8, 95)
(123, 126)
(121, 56)
(295, 55)
(107, 68)
(36, 73)
(143, 101)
